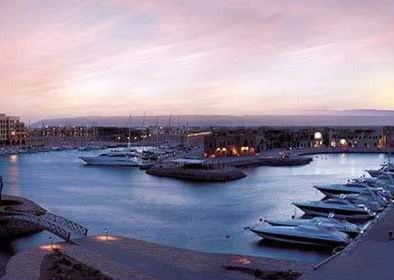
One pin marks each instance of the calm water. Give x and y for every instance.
(183, 214)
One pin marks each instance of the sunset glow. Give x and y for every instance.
(115, 57)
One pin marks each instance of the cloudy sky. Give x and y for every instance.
(115, 57)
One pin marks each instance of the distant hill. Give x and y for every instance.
(326, 118)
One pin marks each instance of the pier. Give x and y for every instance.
(371, 256)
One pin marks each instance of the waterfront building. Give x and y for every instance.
(296, 137)
(121, 134)
(82, 135)
(234, 142)
(389, 136)
(3, 129)
(362, 137)
(249, 141)
(55, 135)
(12, 131)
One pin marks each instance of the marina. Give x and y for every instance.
(196, 140)
(259, 196)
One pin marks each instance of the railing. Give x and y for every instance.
(57, 225)
(67, 223)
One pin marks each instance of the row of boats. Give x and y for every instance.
(337, 218)
(131, 158)
(134, 157)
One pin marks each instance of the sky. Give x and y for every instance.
(233, 57)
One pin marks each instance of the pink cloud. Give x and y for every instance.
(190, 55)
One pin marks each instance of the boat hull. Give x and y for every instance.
(339, 213)
(331, 191)
(295, 223)
(113, 162)
(300, 240)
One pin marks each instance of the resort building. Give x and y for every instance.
(234, 142)
(249, 141)
(3, 129)
(357, 137)
(296, 137)
(389, 136)
(12, 131)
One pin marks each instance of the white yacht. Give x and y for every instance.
(340, 225)
(305, 234)
(335, 189)
(114, 159)
(342, 209)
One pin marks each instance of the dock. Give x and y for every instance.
(370, 257)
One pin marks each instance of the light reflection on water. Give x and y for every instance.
(183, 214)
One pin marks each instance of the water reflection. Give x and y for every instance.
(13, 177)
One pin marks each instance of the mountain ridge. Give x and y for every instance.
(359, 117)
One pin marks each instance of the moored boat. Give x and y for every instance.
(341, 209)
(113, 159)
(377, 172)
(305, 234)
(340, 225)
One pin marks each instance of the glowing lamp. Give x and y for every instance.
(105, 238)
(318, 136)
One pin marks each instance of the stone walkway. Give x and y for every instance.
(372, 258)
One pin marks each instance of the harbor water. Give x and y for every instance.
(193, 215)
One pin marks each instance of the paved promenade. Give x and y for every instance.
(372, 258)
(124, 259)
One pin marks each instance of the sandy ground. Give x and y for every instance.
(122, 258)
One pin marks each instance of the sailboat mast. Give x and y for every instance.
(169, 129)
(129, 140)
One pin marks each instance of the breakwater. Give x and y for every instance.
(221, 174)
(263, 161)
